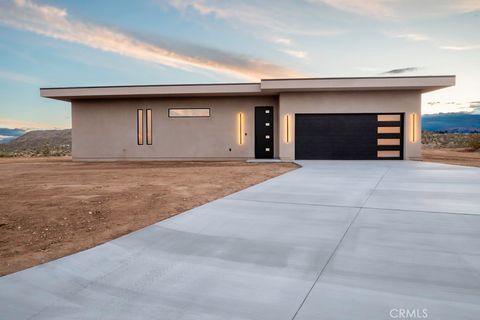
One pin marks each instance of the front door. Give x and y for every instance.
(264, 132)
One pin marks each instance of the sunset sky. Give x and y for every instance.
(113, 42)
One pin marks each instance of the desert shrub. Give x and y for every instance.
(4, 154)
(446, 140)
(45, 151)
(474, 141)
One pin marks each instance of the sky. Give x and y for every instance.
(54, 43)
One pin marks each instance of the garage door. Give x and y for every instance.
(364, 136)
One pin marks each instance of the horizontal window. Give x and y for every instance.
(388, 154)
(388, 142)
(388, 130)
(388, 117)
(187, 113)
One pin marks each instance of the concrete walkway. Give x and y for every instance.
(332, 240)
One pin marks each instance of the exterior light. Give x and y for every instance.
(288, 127)
(241, 128)
(413, 127)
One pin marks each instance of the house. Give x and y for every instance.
(287, 119)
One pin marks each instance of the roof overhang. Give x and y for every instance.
(423, 84)
(265, 87)
(72, 93)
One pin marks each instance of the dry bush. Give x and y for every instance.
(474, 141)
(451, 140)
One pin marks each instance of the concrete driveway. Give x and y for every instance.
(332, 240)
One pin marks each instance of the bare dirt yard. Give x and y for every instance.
(458, 156)
(52, 207)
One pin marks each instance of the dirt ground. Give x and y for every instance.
(458, 156)
(52, 207)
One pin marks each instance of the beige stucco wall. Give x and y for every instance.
(105, 129)
(407, 102)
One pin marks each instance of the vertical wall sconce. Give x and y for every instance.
(413, 127)
(241, 128)
(288, 128)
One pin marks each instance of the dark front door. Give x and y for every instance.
(263, 132)
(349, 136)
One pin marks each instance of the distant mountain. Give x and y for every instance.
(451, 122)
(7, 134)
(46, 142)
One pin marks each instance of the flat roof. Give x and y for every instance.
(264, 87)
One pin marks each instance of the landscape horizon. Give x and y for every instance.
(462, 122)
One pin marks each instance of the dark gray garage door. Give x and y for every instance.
(365, 136)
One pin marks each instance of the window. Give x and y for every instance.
(188, 113)
(149, 126)
(388, 130)
(388, 154)
(388, 142)
(388, 117)
(139, 126)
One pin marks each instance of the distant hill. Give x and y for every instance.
(7, 134)
(45, 142)
(451, 122)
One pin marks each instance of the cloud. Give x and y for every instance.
(461, 48)
(466, 5)
(294, 53)
(434, 107)
(403, 9)
(270, 18)
(280, 40)
(18, 77)
(417, 37)
(55, 22)
(401, 70)
(25, 124)
(377, 8)
(475, 107)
